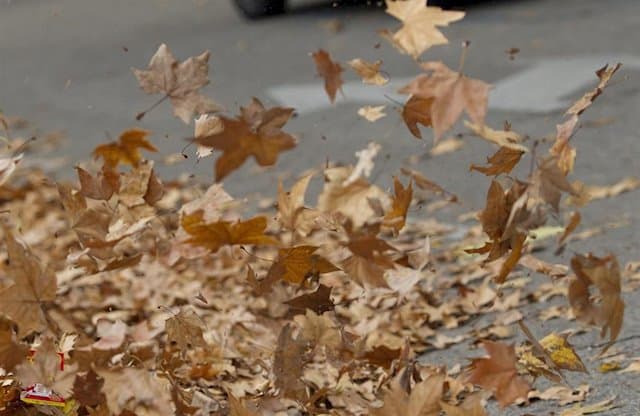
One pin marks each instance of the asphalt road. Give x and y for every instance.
(65, 65)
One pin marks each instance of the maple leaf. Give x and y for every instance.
(452, 93)
(290, 358)
(330, 71)
(499, 374)
(604, 74)
(424, 399)
(562, 353)
(186, 330)
(125, 150)
(299, 263)
(419, 31)
(220, 233)
(368, 261)
(12, 352)
(25, 301)
(369, 71)
(372, 113)
(503, 161)
(87, 389)
(417, 110)
(100, 187)
(395, 218)
(255, 132)
(292, 213)
(604, 273)
(178, 81)
(318, 301)
(126, 388)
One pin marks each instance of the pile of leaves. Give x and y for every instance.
(163, 299)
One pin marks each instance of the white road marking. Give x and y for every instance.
(546, 85)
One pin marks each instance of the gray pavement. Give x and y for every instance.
(65, 65)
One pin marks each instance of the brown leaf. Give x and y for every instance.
(292, 213)
(214, 235)
(425, 184)
(180, 81)
(87, 389)
(382, 356)
(290, 358)
(368, 71)
(255, 132)
(424, 399)
(517, 245)
(33, 288)
(604, 273)
(503, 161)
(419, 31)
(125, 150)
(100, 187)
(561, 148)
(499, 374)
(574, 221)
(129, 387)
(237, 407)
(396, 217)
(604, 74)
(186, 330)
(318, 301)
(12, 351)
(330, 71)
(368, 262)
(452, 94)
(417, 110)
(299, 263)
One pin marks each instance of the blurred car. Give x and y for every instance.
(258, 8)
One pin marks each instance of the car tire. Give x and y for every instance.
(254, 9)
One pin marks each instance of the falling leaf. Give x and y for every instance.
(372, 113)
(368, 71)
(111, 334)
(126, 149)
(574, 221)
(503, 138)
(33, 289)
(220, 233)
(425, 184)
(292, 213)
(604, 74)
(178, 81)
(369, 260)
(185, 329)
(499, 374)
(290, 358)
(417, 110)
(599, 407)
(449, 145)
(604, 273)
(330, 71)
(318, 301)
(298, 263)
(627, 184)
(562, 353)
(255, 132)
(87, 389)
(8, 165)
(424, 399)
(12, 352)
(452, 93)
(396, 217)
(503, 161)
(365, 164)
(419, 31)
(517, 246)
(100, 187)
(561, 148)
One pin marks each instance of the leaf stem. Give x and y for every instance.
(463, 56)
(140, 115)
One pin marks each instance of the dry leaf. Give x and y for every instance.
(100, 187)
(330, 71)
(604, 74)
(318, 301)
(419, 31)
(499, 374)
(299, 263)
(179, 81)
(125, 150)
(369, 72)
(292, 213)
(452, 93)
(186, 330)
(562, 353)
(503, 138)
(503, 161)
(12, 352)
(87, 389)
(417, 110)
(290, 358)
(574, 221)
(372, 113)
(255, 132)
(449, 145)
(368, 263)
(111, 334)
(365, 164)
(424, 399)
(33, 289)
(590, 409)
(8, 166)
(396, 217)
(220, 233)
(604, 273)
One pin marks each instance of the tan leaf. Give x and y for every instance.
(419, 31)
(396, 217)
(255, 132)
(369, 260)
(290, 358)
(372, 113)
(365, 164)
(452, 94)
(503, 161)
(130, 387)
(424, 399)
(330, 71)
(604, 75)
(292, 213)
(100, 187)
(299, 263)
(12, 351)
(449, 145)
(599, 407)
(180, 81)
(503, 138)
(417, 110)
(499, 374)
(111, 334)
(33, 289)
(185, 329)
(368, 71)
(561, 148)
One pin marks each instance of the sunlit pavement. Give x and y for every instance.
(65, 65)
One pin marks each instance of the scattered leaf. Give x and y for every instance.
(330, 71)
(372, 113)
(369, 71)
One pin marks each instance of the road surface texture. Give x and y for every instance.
(65, 65)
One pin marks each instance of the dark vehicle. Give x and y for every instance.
(258, 8)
